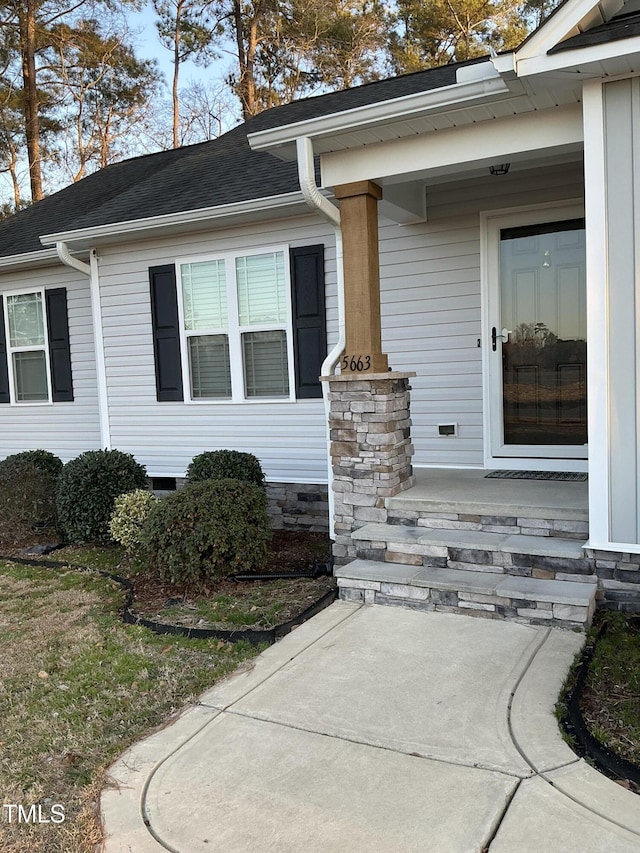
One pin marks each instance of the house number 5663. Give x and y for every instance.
(355, 363)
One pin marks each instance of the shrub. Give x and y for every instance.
(225, 464)
(45, 462)
(206, 531)
(87, 489)
(28, 483)
(130, 512)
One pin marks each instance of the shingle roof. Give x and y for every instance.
(369, 93)
(219, 172)
(213, 173)
(618, 28)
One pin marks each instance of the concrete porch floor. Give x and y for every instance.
(468, 491)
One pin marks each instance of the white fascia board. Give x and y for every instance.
(135, 227)
(39, 258)
(580, 58)
(561, 23)
(396, 109)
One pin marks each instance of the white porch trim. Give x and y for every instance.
(448, 150)
(597, 316)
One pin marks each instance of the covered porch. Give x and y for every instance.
(432, 183)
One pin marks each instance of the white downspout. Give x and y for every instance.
(91, 270)
(315, 200)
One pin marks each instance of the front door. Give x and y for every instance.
(538, 342)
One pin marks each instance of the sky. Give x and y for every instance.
(148, 46)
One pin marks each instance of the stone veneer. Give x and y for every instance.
(552, 527)
(618, 580)
(291, 506)
(490, 605)
(298, 506)
(371, 450)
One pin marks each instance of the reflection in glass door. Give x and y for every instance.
(544, 346)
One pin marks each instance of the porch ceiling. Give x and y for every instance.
(468, 189)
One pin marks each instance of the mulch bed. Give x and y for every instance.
(228, 605)
(601, 711)
(237, 605)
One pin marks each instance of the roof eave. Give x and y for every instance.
(566, 18)
(488, 84)
(39, 258)
(138, 227)
(580, 60)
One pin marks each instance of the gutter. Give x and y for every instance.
(459, 94)
(204, 214)
(33, 259)
(317, 202)
(91, 270)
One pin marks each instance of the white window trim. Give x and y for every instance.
(234, 329)
(10, 350)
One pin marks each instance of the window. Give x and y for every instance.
(35, 356)
(27, 347)
(244, 326)
(235, 316)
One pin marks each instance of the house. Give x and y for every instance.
(469, 232)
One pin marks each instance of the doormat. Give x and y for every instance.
(574, 476)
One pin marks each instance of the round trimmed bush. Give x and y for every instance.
(129, 514)
(44, 461)
(28, 483)
(87, 489)
(225, 464)
(205, 531)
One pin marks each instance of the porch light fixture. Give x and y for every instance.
(500, 169)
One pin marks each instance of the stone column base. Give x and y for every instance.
(371, 449)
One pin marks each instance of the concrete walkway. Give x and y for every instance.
(376, 729)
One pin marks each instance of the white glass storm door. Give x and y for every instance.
(538, 342)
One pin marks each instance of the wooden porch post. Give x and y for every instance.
(359, 220)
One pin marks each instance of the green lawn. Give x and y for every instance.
(611, 699)
(76, 688)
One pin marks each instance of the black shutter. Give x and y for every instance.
(309, 322)
(59, 350)
(166, 333)
(5, 397)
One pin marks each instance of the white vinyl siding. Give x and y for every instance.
(68, 428)
(288, 436)
(431, 304)
(431, 323)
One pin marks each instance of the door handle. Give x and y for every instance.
(504, 336)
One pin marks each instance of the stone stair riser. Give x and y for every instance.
(441, 556)
(525, 611)
(563, 528)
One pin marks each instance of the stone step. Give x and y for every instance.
(460, 493)
(492, 595)
(515, 554)
(571, 522)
